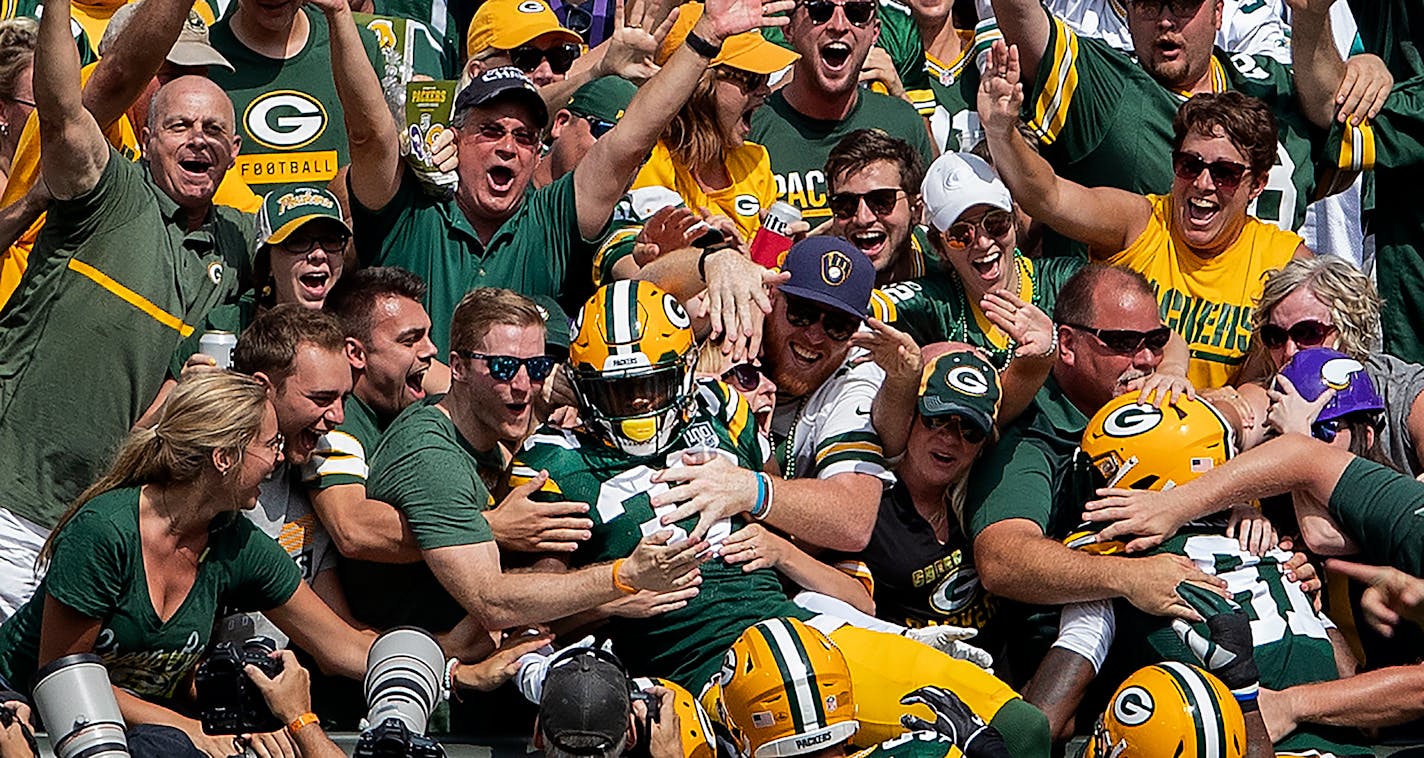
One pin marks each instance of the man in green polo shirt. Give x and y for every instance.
(132, 256)
(1024, 495)
(495, 231)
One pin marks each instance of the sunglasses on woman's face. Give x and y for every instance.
(967, 432)
(526, 58)
(1307, 333)
(743, 376)
(1226, 175)
(746, 81)
(961, 234)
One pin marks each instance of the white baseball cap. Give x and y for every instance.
(956, 182)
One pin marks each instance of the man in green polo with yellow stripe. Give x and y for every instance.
(132, 256)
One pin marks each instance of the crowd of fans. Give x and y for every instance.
(785, 344)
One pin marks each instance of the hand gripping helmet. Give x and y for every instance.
(632, 362)
(1143, 447)
(1312, 370)
(785, 690)
(697, 734)
(1170, 709)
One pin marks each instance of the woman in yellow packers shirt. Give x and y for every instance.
(704, 156)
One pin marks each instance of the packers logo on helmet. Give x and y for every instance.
(1142, 447)
(785, 690)
(632, 362)
(1170, 709)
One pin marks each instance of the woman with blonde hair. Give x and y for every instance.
(1327, 302)
(704, 156)
(141, 564)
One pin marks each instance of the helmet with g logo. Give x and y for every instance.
(632, 362)
(785, 690)
(1170, 709)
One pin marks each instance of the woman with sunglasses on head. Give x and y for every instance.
(703, 155)
(1204, 255)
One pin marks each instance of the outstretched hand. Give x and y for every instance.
(1000, 91)
(725, 18)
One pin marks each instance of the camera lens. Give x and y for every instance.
(404, 678)
(78, 708)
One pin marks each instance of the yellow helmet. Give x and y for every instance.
(697, 734)
(632, 362)
(1170, 709)
(785, 690)
(1139, 446)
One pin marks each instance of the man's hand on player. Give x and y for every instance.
(712, 491)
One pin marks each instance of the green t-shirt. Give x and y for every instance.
(685, 645)
(1032, 472)
(342, 455)
(935, 307)
(98, 571)
(114, 284)
(290, 119)
(1383, 510)
(425, 468)
(532, 253)
(799, 146)
(1103, 121)
(435, 16)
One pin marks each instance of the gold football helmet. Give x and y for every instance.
(632, 362)
(1170, 709)
(785, 690)
(697, 734)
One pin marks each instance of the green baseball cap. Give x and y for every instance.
(556, 323)
(285, 211)
(961, 384)
(605, 98)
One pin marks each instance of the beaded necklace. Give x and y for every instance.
(1000, 357)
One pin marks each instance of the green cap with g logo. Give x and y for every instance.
(961, 384)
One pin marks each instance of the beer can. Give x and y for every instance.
(218, 345)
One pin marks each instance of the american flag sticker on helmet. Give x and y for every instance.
(1201, 464)
(763, 719)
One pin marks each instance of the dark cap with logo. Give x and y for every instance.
(960, 384)
(830, 271)
(585, 706)
(606, 98)
(503, 82)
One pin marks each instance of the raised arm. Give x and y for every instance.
(1024, 23)
(134, 57)
(371, 131)
(73, 151)
(604, 174)
(1106, 219)
(1316, 64)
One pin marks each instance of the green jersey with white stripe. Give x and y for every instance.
(685, 645)
(1102, 120)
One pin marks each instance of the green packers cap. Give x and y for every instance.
(961, 384)
(285, 211)
(605, 98)
(556, 323)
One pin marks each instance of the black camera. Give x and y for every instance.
(228, 701)
(393, 739)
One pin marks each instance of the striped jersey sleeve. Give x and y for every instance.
(835, 426)
(339, 458)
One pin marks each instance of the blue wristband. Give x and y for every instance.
(759, 508)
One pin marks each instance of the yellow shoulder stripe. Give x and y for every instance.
(1050, 110)
(129, 296)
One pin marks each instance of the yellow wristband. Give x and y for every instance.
(622, 586)
(303, 720)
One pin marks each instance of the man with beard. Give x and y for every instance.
(131, 257)
(299, 354)
(1023, 493)
(824, 102)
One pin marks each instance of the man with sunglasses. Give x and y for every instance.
(1105, 119)
(874, 180)
(494, 231)
(801, 122)
(1207, 259)
(592, 112)
(1023, 495)
(525, 34)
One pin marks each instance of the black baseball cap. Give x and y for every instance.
(501, 82)
(585, 706)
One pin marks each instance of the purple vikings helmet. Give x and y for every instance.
(1314, 369)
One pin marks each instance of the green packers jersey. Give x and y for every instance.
(88, 48)
(685, 645)
(1102, 120)
(954, 121)
(935, 307)
(1392, 29)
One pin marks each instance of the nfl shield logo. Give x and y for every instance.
(700, 435)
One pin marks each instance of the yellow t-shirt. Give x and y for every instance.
(753, 186)
(1208, 300)
(25, 167)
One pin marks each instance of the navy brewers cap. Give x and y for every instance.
(831, 271)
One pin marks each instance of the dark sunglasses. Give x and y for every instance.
(597, 126)
(305, 243)
(504, 367)
(858, 12)
(967, 432)
(746, 81)
(743, 376)
(961, 234)
(492, 132)
(1302, 333)
(1176, 7)
(837, 325)
(526, 58)
(1226, 175)
(880, 202)
(1128, 341)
